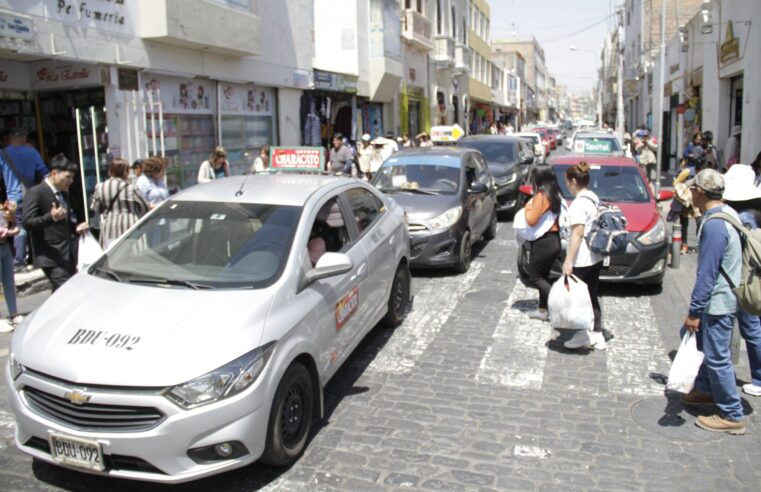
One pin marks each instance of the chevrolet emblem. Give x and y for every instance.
(77, 397)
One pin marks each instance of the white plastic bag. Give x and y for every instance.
(525, 232)
(89, 251)
(685, 367)
(570, 305)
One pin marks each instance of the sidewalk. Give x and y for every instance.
(30, 282)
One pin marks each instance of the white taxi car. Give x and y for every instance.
(202, 340)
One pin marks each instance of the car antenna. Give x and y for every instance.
(240, 190)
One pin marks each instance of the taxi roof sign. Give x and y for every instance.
(450, 133)
(297, 158)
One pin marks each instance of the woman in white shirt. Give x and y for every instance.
(579, 259)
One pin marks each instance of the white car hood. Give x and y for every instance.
(170, 335)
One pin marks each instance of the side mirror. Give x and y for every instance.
(329, 265)
(478, 188)
(664, 195)
(528, 160)
(526, 190)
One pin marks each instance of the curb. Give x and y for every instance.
(31, 282)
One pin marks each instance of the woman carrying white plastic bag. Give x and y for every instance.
(569, 304)
(686, 364)
(89, 251)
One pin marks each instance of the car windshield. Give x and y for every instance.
(596, 145)
(430, 177)
(494, 151)
(610, 183)
(205, 245)
(541, 133)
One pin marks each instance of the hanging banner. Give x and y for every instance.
(247, 99)
(297, 158)
(180, 96)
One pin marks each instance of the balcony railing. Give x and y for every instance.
(416, 29)
(444, 50)
(462, 58)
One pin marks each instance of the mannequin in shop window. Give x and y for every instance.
(215, 167)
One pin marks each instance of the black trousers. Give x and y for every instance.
(58, 275)
(590, 275)
(542, 254)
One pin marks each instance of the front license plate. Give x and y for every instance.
(74, 451)
(606, 261)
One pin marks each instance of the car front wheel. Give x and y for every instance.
(290, 417)
(399, 298)
(463, 262)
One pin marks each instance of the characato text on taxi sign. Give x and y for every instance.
(297, 158)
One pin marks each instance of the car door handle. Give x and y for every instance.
(360, 272)
(392, 240)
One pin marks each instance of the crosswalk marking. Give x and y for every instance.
(638, 350)
(518, 351)
(7, 424)
(431, 309)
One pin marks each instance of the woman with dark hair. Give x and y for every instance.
(151, 183)
(542, 209)
(580, 260)
(756, 166)
(118, 203)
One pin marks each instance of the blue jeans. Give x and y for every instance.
(19, 242)
(750, 330)
(716, 376)
(6, 275)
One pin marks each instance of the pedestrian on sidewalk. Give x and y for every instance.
(52, 224)
(22, 168)
(262, 162)
(694, 154)
(579, 259)
(215, 167)
(543, 210)
(118, 202)
(8, 230)
(742, 195)
(341, 157)
(683, 207)
(756, 166)
(647, 156)
(151, 183)
(713, 308)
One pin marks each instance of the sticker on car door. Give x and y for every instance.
(346, 307)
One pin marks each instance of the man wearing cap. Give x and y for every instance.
(741, 194)
(713, 307)
(21, 166)
(365, 155)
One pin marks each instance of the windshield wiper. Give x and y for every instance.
(162, 281)
(109, 273)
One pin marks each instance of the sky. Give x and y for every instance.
(558, 25)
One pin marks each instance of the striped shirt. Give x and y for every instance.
(128, 206)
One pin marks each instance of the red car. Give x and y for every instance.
(553, 132)
(620, 181)
(545, 135)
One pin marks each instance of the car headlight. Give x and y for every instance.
(228, 380)
(446, 220)
(655, 235)
(506, 179)
(16, 368)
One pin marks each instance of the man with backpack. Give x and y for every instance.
(713, 307)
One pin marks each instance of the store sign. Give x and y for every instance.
(179, 96)
(336, 82)
(47, 75)
(730, 48)
(446, 133)
(297, 158)
(302, 79)
(13, 26)
(247, 99)
(13, 75)
(106, 15)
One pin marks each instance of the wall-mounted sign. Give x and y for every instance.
(730, 48)
(107, 15)
(127, 79)
(337, 82)
(302, 79)
(50, 75)
(13, 26)
(14, 75)
(297, 158)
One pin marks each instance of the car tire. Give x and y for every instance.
(463, 261)
(491, 231)
(398, 298)
(290, 417)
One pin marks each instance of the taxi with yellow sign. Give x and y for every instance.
(201, 341)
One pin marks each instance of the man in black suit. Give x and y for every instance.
(52, 224)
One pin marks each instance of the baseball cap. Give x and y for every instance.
(711, 182)
(366, 137)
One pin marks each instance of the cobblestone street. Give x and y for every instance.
(469, 394)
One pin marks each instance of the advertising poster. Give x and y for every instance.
(297, 158)
(181, 96)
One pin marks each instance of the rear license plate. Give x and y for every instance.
(606, 261)
(74, 451)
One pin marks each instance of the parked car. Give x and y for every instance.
(450, 200)
(536, 141)
(596, 143)
(549, 135)
(203, 339)
(507, 164)
(621, 182)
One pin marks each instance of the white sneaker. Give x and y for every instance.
(580, 339)
(752, 389)
(597, 340)
(5, 326)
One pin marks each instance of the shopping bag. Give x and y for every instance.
(685, 367)
(570, 305)
(89, 251)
